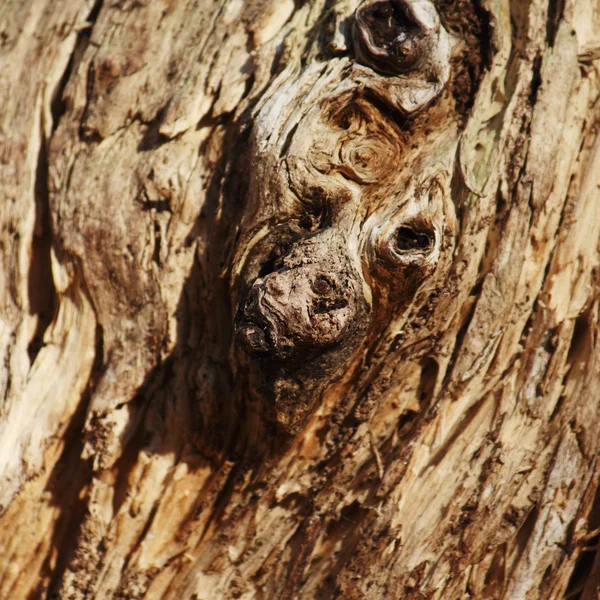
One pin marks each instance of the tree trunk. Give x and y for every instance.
(300, 299)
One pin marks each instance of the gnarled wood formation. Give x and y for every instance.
(300, 300)
(343, 221)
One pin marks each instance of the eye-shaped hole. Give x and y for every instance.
(415, 238)
(387, 37)
(386, 21)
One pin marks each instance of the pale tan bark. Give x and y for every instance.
(419, 419)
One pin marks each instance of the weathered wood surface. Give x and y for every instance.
(293, 311)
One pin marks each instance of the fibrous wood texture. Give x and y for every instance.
(299, 299)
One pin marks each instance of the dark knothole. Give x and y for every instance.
(412, 239)
(387, 36)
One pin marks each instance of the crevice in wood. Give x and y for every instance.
(72, 500)
(42, 293)
(555, 15)
(585, 577)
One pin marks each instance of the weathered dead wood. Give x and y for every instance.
(300, 300)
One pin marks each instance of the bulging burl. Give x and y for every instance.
(337, 236)
(310, 302)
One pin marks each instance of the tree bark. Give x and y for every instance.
(300, 299)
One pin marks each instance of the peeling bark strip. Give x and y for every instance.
(299, 300)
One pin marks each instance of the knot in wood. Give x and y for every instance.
(310, 302)
(389, 37)
(412, 242)
(402, 51)
(367, 158)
